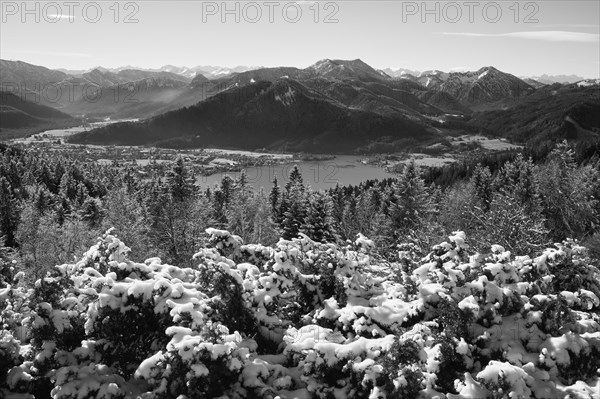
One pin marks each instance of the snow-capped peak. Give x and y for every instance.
(588, 82)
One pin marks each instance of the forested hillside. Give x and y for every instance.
(481, 287)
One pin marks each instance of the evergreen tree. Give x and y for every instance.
(179, 181)
(568, 194)
(42, 199)
(319, 224)
(9, 215)
(91, 212)
(294, 215)
(366, 208)
(349, 225)
(45, 178)
(293, 206)
(274, 197)
(410, 201)
(510, 224)
(59, 171)
(126, 215)
(294, 179)
(129, 181)
(240, 212)
(517, 179)
(81, 194)
(481, 180)
(264, 228)
(68, 186)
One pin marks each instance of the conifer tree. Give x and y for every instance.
(68, 186)
(274, 197)
(293, 206)
(91, 212)
(410, 200)
(294, 179)
(45, 178)
(42, 199)
(517, 179)
(568, 194)
(179, 181)
(483, 186)
(319, 224)
(9, 216)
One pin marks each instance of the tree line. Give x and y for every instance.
(51, 207)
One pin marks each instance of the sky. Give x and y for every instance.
(523, 38)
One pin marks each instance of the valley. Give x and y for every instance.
(210, 165)
(369, 122)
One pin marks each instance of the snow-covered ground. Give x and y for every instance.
(308, 320)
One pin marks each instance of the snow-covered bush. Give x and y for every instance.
(306, 319)
(9, 355)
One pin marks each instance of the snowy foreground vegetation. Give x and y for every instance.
(302, 319)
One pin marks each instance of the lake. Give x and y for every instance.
(320, 175)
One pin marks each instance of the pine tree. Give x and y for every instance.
(349, 222)
(9, 215)
(179, 181)
(295, 214)
(59, 171)
(319, 224)
(293, 206)
(226, 188)
(129, 181)
(508, 223)
(294, 179)
(42, 199)
(410, 201)
(274, 197)
(264, 228)
(568, 194)
(517, 180)
(81, 194)
(45, 178)
(366, 209)
(91, 212)
(68, 186)
(62, 210)
(481, 180)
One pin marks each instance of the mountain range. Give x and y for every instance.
(332, 105)
(209, 71)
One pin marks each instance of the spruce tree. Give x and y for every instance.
(482, 185)
(179, 181)
(68, 186)
(410, 200)
(517, 180)
(319, 223)
(293, 206)
(9, 215)
(91, 212)
(274, 197)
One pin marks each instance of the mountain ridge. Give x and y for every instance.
(338, 99)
